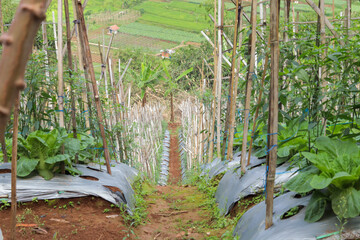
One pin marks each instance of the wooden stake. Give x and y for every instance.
(88, 66)
(258, 106)
(273, 111)
(212, 125)
(327, 22)
(60, 67)
(230, 118)
(71, 69)
(249, 85)
(221, 5)
(14, 167)
(84, 95)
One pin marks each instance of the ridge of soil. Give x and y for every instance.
(174, 157)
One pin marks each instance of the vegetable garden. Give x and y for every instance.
(254, 134)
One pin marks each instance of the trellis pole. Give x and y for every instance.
(221, 5)
(273, 112)
(71, 69)
(250, 76)
(84, 95)
(235, 68)
(14, 166)
(88, 66)
(60, 67)
(213, 120)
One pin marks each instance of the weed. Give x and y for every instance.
(4, 204)
(106, 210)
(71, 204)
(35, 200)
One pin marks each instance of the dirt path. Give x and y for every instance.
(175, 211)
(174, 159)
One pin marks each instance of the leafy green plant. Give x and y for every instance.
(147, 78)
(334, 175)
(41, 152)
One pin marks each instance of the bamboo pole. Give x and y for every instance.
(249, 86)
(258, 106)
(60, 67)
(71, 69)
(212, 124)
(221, 4)
(14, 166)
(231, 100)
(327, 22)
(333, 8)
(55, 35)
(273, 111)
(17, 45)
(84, 95)
(88, 66)
(348, 20)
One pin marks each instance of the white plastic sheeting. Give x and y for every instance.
(68, 186)
(233, 187)
(164, 173)
(251, 225)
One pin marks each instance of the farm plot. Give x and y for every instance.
(139, 29)
(124, 40)
(175, 14)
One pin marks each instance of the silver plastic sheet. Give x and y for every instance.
(251, 225)
(68, 186)
(233, 187)
(164, 169)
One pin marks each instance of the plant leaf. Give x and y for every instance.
(25, 166)
(301, 182)
(345, 202)
(57, 158)
(316, 207)
(320, 181)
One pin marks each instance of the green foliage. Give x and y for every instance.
(140, 29)
(41, 152)
(179, 15)
(336, 168)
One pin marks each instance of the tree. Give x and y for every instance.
(147, 78)
(172, 84)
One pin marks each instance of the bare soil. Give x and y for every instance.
(75, 218)
(174, 159)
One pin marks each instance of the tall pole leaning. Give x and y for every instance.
(235, 68)
(88, 66)
(220, 23)
(273, 111)
(213, 117)
(249, 80)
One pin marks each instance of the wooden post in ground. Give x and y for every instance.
(71, 69)
(213, 120)
(348, 20)
(84, 95)
(232, 87)
(258, 106)
(273, 112)
(327, 22)
(60, 67)
(333, 8)
(221, 5)
(14, 166)
(88, 66)
(249, 79)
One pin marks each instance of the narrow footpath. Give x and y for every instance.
(176, 211)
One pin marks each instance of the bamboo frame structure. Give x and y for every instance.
(249, 86)
(273, 111)
(88, 66)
